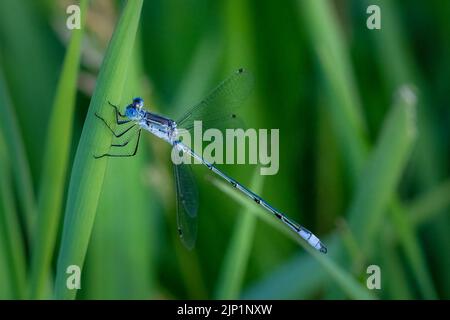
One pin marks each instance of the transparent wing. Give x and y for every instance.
(218, 109)
(187, 204)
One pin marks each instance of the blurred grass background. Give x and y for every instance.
(364, 149)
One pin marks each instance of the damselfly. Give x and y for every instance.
(218, 107)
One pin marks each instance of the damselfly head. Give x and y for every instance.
(134, 110)
(131, 112)
(138, 102)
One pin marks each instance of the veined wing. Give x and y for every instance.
(221, 104)
(187, 204)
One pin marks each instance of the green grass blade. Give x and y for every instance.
(31, 56)
(297, 278)
(339, 76)
(408, 219)
(237, 255)
(6, 289)
(400, 66)
(21, 169)
(376, 187)
(197, 78)
(88, 173)
(398, 286)
(408, 239)
(10, 228)
(330, 45)
(56, 158)
(378, 184)
(346, 282)
(352, 246)
(129, 238)
(379, 180)
(434, 202)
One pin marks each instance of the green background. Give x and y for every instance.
(364, 149)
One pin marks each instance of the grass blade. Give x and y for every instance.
(381, 175)
(30, 55)
(236, 257)
(343, 279)
(397, 283)
(346, 282)
(6, 289)
(400, 66)
(378, 184)
(21, 169)
(405, 231)
(330, 45)
(56, 158)
(376, 187)
(198, 75)
(10, 228)
(87, 172)
(288, 281)
(129, 238)
(432, 203)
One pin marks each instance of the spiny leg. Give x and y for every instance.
(116, 108)
(117, 135)
(127, 141)
(123, 155)
(118, 114)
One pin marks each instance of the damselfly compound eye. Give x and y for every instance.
(131, 112)
(138, 102)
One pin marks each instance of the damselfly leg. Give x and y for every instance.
(117, 135)
(120, 134)
(118, 121)
(132, 154)
(116, 109)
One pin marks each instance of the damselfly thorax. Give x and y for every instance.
(160, 126)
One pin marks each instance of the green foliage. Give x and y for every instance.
(87, 173)
(363, 150)
(56, 160)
